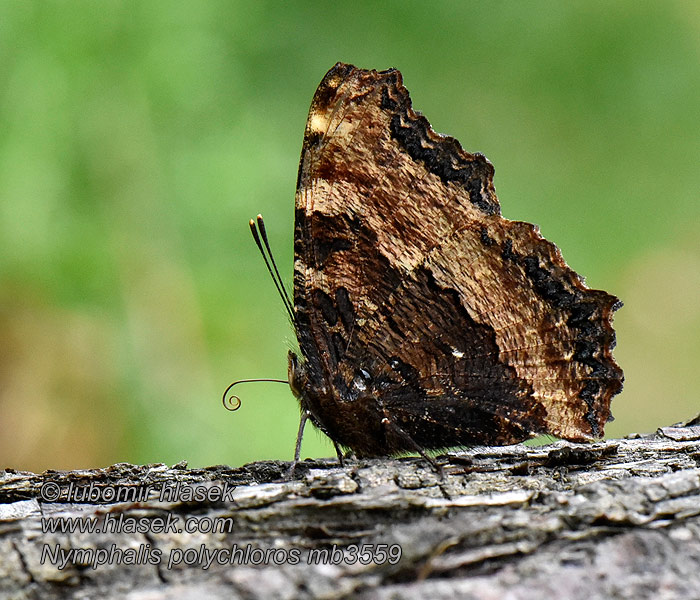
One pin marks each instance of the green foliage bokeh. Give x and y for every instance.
(138, 138)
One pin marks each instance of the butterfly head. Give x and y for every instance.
(305, 386)
(296, 374)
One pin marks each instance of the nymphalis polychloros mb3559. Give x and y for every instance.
(424, 318)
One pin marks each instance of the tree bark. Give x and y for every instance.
(614, 519)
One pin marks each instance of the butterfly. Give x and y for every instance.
(425, 319)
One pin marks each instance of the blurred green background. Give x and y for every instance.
(138, 138)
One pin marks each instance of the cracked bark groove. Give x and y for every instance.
(618, 518)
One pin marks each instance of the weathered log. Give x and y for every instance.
(618, 518)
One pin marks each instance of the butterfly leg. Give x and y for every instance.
(339, 452)
(300, 434)
(396, 430)
(297, 449)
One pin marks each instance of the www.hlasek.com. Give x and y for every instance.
(205, 557)
(121, 523)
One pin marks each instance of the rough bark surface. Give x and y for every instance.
(615, 519)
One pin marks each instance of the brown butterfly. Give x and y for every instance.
(425, 319)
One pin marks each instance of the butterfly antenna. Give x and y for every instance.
(279, 284)
(233, 402)
(263, 235)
